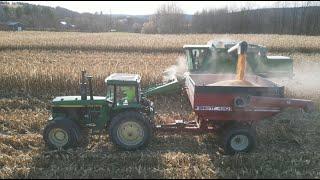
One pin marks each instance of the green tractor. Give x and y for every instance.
(124, 111)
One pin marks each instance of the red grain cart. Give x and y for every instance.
(232, 109)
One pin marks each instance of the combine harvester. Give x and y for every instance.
(226, 102)
(214, 58)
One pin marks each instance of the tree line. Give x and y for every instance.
(302, 19)
(299, 20)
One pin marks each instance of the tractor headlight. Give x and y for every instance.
(50, 118)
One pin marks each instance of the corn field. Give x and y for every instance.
(45, 72)
(37, 66)
(130, 42)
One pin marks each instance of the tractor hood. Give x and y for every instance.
(76, 98)
(75, 101)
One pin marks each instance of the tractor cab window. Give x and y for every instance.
(110, 93)
(126, 95)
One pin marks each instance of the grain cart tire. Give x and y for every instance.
(61, 133)
(130, 130)
(239, 138)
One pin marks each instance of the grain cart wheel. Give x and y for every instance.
(61, 133)
(239, 138)
(130, 130)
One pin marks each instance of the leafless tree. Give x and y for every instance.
(168, 19)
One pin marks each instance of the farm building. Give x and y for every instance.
(66, 26)
(12, 26)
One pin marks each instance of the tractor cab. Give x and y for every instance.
(123, 89)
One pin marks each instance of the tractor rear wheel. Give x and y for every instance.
(61, 134)
(130, 130)
(239, 138)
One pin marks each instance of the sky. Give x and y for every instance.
(146, 7)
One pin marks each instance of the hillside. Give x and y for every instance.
(39, 17)
(281, 20)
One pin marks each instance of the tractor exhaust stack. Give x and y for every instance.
(90, 87)
(83, 86)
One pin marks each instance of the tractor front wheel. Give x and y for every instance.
(61, 134)
(130, 130)
(239, 138)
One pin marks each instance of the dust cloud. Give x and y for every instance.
(305, 82)
(176, 72)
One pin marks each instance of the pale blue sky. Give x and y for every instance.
(146, 7)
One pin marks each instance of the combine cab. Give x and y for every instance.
(214, 58)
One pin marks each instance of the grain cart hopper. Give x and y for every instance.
(232, 109)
